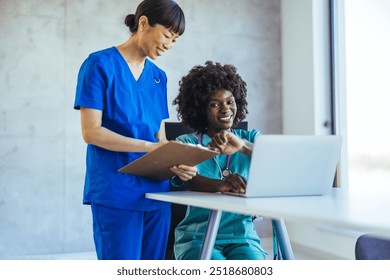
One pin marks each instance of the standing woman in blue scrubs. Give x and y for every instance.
(122, 97)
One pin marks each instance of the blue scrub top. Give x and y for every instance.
(234, 228)
(132, 108)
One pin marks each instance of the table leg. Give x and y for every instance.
(210, 235)
(283, 239)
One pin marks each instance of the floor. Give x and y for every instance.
(267, 245)
(263, 226)
(68, 256)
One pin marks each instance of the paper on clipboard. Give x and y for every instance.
(156, 164)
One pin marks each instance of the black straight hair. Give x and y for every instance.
(165, 12)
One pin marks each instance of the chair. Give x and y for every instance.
(372, 247)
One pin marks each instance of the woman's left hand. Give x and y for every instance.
(235, 183)
(184, 172)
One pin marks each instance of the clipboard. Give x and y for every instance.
(156, 164)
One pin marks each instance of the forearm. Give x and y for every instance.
(247, 148)
(109, 140)
(203, 184)
(94, 133)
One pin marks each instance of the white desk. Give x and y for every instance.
(367, 211)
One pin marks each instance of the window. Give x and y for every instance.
(367, 92)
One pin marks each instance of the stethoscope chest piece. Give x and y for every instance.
(226, 172)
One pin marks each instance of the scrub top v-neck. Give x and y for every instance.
(132, 108)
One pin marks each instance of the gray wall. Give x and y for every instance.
(42, 155)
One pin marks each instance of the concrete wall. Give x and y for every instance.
(42, 155)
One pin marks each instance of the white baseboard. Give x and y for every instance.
(322, 242)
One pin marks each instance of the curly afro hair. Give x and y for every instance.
(200, 84)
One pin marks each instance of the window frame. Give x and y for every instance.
(338, 85)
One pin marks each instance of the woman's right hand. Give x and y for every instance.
(226, 142)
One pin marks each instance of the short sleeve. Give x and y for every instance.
(91, 85)
(254, 133)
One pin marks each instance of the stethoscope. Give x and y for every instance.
(226, 171)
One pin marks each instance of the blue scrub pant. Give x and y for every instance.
(130, 235)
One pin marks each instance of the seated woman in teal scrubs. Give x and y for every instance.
(211, 100)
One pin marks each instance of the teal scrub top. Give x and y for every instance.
(234, 228)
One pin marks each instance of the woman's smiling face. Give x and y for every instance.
(158, 39)
(221, 111)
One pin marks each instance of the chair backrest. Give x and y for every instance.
(371, 247)
(173, 130)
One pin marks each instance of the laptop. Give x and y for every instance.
(292, 165)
